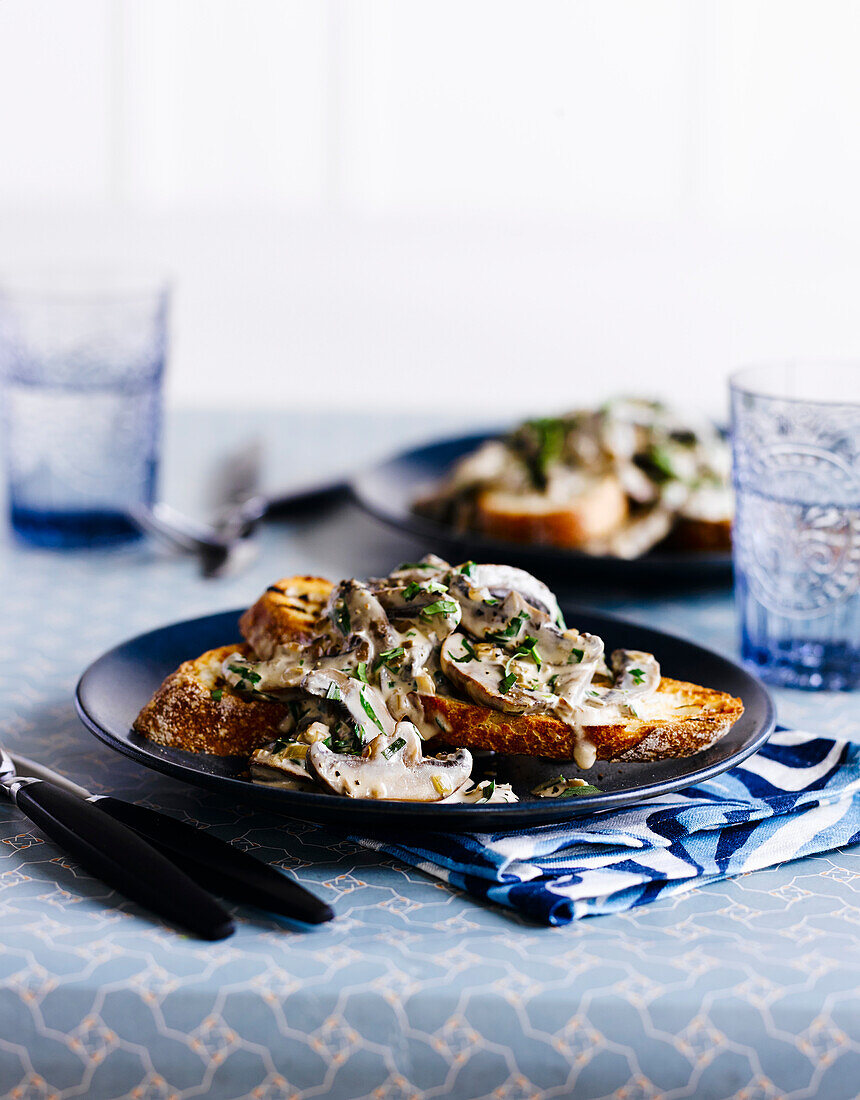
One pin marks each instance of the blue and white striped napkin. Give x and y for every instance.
(798, 795)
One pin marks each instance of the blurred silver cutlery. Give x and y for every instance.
(226, 545)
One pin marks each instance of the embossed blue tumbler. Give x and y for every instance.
(81, 364)
(796, 457)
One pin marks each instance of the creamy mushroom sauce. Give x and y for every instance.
(493, 634)
(669, 464)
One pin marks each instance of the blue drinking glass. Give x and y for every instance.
(796, 460)
(81, 366)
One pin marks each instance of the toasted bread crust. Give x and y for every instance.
(700, 534)
(289, 610)
(183, 715)
(535, 518)
(467, 726)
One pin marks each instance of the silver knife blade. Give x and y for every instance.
(26, 767)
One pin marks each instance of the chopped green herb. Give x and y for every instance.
(468, 653)
(361, 672)
(389, 657)
(658, 463)
(488, 790)
(246, 673)
(216, 694)
(507, 682)
(512, 629)
(575, 792)
(341, 618)
(440, 607)
(551, 683)
(539, 443)
(527, 648)
(394, 747)
(491, 601)
(404, 565)
(559, 621)
(596, 694)
(576, 656)
(370, 712)
(415, 588)
(466, 568)
(638, 675)
(333, 693)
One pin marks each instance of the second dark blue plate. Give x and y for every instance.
(389, 490)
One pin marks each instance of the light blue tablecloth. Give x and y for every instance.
(749, 984)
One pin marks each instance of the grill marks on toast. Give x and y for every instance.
(290, 610)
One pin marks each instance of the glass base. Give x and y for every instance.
(67, 530)
(808, 666)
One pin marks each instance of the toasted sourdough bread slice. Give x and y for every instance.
(537, 518)
(183, 714)
(685, 718)
(289, 610)
(691, 718)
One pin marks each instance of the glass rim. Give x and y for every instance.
(84, 283)
(738, 380)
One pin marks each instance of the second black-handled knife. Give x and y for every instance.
(210, 861)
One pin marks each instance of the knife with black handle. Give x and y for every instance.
(119, 857)
(217, 865)
(210, 861)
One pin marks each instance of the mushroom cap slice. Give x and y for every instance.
(637, 676)
(364, 704)
(482, 678)
(392, 767)
(503, 579)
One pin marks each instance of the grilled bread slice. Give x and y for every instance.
(681, 718)
(595, 513)
(195, 709)
(289, 610)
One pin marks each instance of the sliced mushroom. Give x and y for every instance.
(568, 647)
(364, 703)
(503, 579)
(492, 678)
(428, 568)
(392, 767)
(355, 611)
(482, 614)
(637, 676)
(427, 602)
(290, 757)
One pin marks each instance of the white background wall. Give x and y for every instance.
(488, 204)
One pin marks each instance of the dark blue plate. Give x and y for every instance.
(389, 489)
(115, 687)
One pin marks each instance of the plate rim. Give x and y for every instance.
(422, 527)
(516, 815)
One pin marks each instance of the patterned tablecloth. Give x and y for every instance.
(743, 988)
